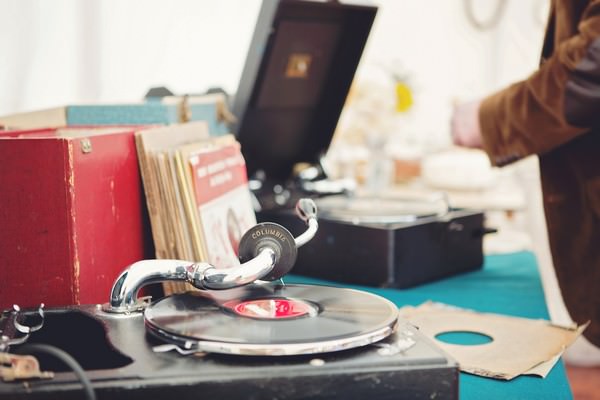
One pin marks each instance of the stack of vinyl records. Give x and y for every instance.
(197, 194)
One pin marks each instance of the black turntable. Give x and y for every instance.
(297, 75)
(388, 242)
(239, 337)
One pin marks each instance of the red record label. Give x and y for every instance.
(272, 308)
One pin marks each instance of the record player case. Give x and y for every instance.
(117, 356)
(400, 255)
(287, 116)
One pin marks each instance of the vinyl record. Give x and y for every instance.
(270, 319)
(378, 210)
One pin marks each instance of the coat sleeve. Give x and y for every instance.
(559, 102)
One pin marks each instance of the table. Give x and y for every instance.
(507, 284)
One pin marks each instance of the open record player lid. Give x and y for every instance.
(272, 319)
(298, 71)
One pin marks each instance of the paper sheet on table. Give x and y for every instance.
(519, 345)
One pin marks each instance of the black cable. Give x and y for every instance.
(67, 359)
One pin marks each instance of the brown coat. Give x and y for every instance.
(555, 113)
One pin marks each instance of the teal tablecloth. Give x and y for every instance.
(508, 284)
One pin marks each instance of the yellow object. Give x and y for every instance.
(404, 98)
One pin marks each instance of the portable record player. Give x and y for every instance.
(245, 334)
(301, 63)
(387, 241)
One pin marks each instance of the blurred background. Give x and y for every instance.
(68, 51)
(422, 58)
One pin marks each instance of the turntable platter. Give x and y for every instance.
(268, 319)
(378, 209)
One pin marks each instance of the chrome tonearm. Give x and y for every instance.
(267, 252)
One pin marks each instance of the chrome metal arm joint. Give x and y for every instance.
(123, 296)
(306, 209)
(124, 293)
(248, 272)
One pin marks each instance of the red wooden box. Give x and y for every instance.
(72, 214)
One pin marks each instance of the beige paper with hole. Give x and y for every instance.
(519, 345)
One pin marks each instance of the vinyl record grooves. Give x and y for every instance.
(377, 209)
(269, 319)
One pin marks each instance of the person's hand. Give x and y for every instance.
(464, 125)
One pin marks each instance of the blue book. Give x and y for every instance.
(168, 110)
